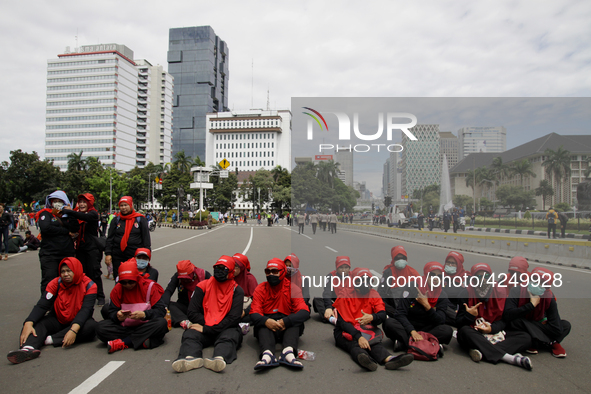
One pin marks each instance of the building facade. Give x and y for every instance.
(386, 179)
(344, 158)
(420, 159)
(198, 61)
(481, 139)
(448, 146)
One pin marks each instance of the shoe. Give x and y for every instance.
(525, 362)
(187, 364)
(5, 257)
(532, 350)
(399, 361)
(100, 303)
(146, 344)
(475, 355)
(22, 355)
(116, 345)
(366, 362)
(440, 354)
(558, 351)
(217, 364)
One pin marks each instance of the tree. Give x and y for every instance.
(522, 168)
(182, 162)
(258, 188)
(515, 196)
(499, 169)
(544, 190)
(462, 200)
(563, 207)
(99, 186)
(387, 201)
(557, 165)
(222, 196)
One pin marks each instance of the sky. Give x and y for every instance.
(312, 49)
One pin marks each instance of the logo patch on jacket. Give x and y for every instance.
(136, 225)
(49, 296)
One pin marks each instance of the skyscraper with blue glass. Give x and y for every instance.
(198, 61)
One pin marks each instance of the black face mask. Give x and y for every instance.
(363, 289)
(273, 280)
(220, 274)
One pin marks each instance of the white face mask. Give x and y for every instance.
(58, 205)
(450, 269)
(400, 264)
(142, 263)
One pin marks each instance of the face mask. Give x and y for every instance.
(400, 264)
(363, 289)
(273, 280)
(291, 271)
(220, 274)
(141, 263)
(58, 205)
(450, 269)
(536, 290)
(482, 291)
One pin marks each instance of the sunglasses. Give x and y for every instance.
(272, 271)
(127, 282)
(485, 276)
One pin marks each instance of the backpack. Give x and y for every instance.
(425, 350)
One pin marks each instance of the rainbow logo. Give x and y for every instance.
(315, 118)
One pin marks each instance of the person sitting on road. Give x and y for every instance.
(533, 309)
(292, 263)
(423, 309)
(395, 277)
(454, 268)
(136, 312)
(360, 310)
(143, 256)
(214, 312)
(278, 313)
(323, 306)
(31, 242)
(70, 301)
(16, 243)
(185, 281)
(517, 272)
(481, 329)
(247, 281)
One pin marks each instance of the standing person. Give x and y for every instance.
(278, 313)
(301, 222)
(421, 220)
(104, 222)
(391, 287)
(215, 311)
(87, 251)
(431, 220)
(455, 219)
(314, 221)
(563, 219)
(69, 300)
(446, 221)
(322, 221)
(473, 219)
(58, 232)
(128, 232)
(333, 222)
(551, 217)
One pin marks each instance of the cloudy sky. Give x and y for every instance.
(312, 49)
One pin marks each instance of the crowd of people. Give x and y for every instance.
(492, 323)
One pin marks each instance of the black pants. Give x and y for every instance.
(178, 313)
(420, 223)
(268, 339)
(50, 325)
(445, 225)
(515, 342)
(563, 231)
(539, 332)
(49, 268)
(314, 227)
(4, 233)
(91, 264)
(451, 315)
(300, 228)
(117, 260)
(155, 329)
(394, 330)
(455, 226)
(378, 352)
(224, 344)
(318, 305)
(552, 227)
(104, 229)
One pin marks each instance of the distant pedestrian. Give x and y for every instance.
(552, 217)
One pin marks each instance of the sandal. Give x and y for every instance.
(294, 363)
(263, 364)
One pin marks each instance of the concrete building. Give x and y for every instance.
(481, 139)
(198, 61)
(344, 158)
(386, 179)
(250, 139)
(395, 190)
(448, 145)
(420, 159)
(94, 103)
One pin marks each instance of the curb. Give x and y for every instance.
(525, 232)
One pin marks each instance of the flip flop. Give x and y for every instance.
(262, 364)
(293, 364)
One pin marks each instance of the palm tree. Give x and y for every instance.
(485, 176)
(499, 169)
(197, 162)
(557, 165)
(521, 168)
(76, 162)
(182, 162)
(327, 172)
(544, 190)
(277, 172)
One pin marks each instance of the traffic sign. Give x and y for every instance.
(224, 164)
(224, 174)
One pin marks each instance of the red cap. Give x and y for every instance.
(518, 264)
(126, 199)
(128, 270)
(396, 250)
(343, 260)
(432, 266)
(295, 261)
(185, 269)
(145, 251)
(480, 267)
(227, 262)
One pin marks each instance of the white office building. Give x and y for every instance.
(481, 140)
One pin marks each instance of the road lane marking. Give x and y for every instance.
(331, 249)
(97, 378)
(185, 240)
(306, 236)
(249, 242)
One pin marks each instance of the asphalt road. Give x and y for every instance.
(146, 371)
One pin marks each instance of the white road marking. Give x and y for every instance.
(97, 378)
(306, 236)
(331, 249)
(184, 240)
(249, 242)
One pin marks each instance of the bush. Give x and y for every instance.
(197, 223)
(563, 207)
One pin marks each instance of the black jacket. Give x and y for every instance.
(44, 305)
(413, 316)
(464, 318)
(55, 235)
(175, 284)
(139, 237)
(88, 229)
(5, 219)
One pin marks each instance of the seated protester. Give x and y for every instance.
(323, 306)
(398, 268)
(422, 309)
(214, 312)
(480, 320)
(247, 281)
(31, 242)
(16, 243)
(454, 268)
(292, 264)
(143, 257)
(517, 272)
(533, 309)
(185, 281)
(360, 308)
(278, 315)
(70, 301)
(136, 312)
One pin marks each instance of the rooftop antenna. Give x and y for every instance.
(76, 36)
(252, 85)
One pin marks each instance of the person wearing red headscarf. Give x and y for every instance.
(323, 306)
(421, 308)
(517, 271)
(247, 281)
(70, 301)
(292, 265)
(185, 281)
(481, 316)
(215, 311)
(533, 309)
(395, 277)
(87, 250)
(454, 268)
(278, 313)
(360, 310)
(136, 312)
(127, 233)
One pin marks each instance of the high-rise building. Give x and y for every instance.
(420, 159)
(481, 139)
(386, 179)
(198, 61)
(97, 106)
(448, 145)
(344, 158)
(395, 177)
(250, 139)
